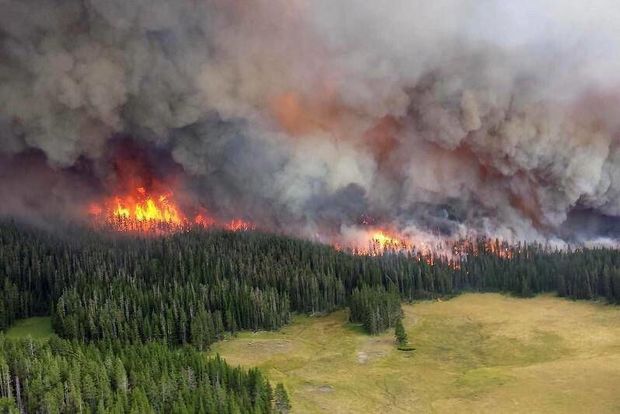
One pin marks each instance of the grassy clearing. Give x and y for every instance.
(39, 327)
(483, 353)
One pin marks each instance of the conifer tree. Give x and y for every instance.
(400, 334)
(282, 403)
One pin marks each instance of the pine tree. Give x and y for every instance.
(7, 406)
(282, 403)
(400, 334)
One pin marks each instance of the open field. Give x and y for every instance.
(483, 353)
(38, 327)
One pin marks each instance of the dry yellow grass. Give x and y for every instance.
(479, 353)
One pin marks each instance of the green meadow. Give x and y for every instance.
(483, 353)
(39, 327)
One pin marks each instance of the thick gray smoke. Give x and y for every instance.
(445, 116)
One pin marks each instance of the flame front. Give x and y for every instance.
(144, 208)
(385, 241)
(148, 212)
(138, 210)
(143, 211)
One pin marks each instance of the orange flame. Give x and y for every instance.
(374, 241)
(142, 211)
(143, 207)
(387, 241)
(204, 220)
(239, 225)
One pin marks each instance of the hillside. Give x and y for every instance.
(108, 294)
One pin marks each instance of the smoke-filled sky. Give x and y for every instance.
(449, 117)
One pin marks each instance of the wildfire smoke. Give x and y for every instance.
(440, 120)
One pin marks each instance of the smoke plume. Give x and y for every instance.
(446, 117)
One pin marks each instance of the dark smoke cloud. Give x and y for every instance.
(31, 189)
(448, 117)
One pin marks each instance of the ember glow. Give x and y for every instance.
(239, 225)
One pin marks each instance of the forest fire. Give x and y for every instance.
(239, 225)
(147, 208)
(368, 239)
(371, 240)
(386, 241)
(143, 211)
(377, 241)
(138, 210)
(156, 212)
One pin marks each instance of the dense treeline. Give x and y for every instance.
(173, 312)
(377, 309)
(191, 287)
(64, 376)
(526, 270)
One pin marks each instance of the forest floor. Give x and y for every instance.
(39, 327)
(482, 353)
